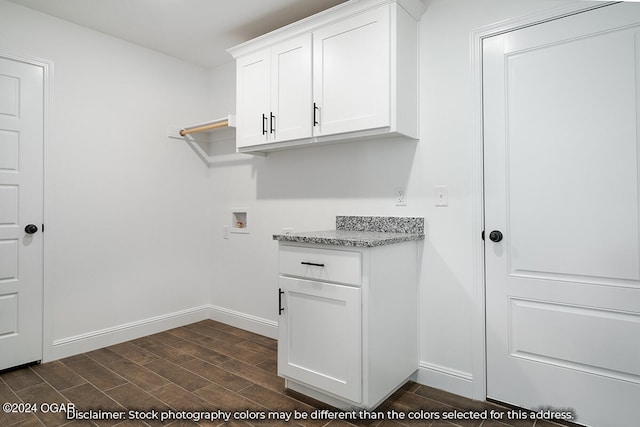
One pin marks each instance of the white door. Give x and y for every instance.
(562, 153)
(291, 104)
(21, 204)
(320, 336)
(351, 73)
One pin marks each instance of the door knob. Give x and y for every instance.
(495, 236)
(31, 228)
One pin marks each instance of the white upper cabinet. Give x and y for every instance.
(273, 89)
(253, 99)
(291, 89)
(349, 72)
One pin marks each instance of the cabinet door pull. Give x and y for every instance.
(311, 263)
(264, 124)
(315, 117)
(272, 123)
(280, 307)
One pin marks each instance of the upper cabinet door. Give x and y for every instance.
(253, 99)
(351, 67)
(291, 102)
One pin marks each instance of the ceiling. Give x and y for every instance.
(197, 31)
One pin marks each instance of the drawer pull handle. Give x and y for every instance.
(312, 263)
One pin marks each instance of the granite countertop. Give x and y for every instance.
(362, 231)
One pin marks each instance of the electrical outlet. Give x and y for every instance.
(401, 197)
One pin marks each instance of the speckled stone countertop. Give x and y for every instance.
(362, 231)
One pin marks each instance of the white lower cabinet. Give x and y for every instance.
(348, 321)
(321, 334)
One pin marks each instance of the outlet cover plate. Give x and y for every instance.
(400, 196)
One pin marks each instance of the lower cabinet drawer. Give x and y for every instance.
(321, 264)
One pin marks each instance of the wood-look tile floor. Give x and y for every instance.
(206, 366)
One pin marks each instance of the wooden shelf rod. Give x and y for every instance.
(204, 128)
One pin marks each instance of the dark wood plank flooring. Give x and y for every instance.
(206, 366)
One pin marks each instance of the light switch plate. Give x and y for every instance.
(442, 195)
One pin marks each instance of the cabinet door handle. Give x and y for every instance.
(311, 263)
(272, 123)
(315, 117)
(264, 124)
(280, 307)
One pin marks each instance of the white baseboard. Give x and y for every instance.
(447, 379)
(254, 324)
(90, 341)
(94, 340)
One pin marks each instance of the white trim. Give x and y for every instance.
(320, 19)
(245, 321)
(89, 341)
(82, 343)
(479, 373)
(441, 377)
(48, 213)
